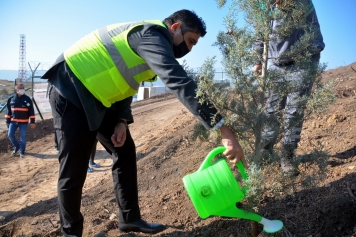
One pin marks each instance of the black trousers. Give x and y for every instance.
(93, 151)
(75, 143)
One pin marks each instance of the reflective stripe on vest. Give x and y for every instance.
(106, 65)
(105, 36)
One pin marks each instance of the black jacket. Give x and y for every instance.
(154, 44)
(19, 109)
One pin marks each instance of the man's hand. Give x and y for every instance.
(257, 69)
(32, 125)
(233, 151)
(119, 136)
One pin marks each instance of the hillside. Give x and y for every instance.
(165, 152)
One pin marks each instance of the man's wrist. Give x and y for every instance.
(123, 121)
(219, 124)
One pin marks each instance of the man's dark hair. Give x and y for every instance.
(189, 21)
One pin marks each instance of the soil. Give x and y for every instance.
(166, 153)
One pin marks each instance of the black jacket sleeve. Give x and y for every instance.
(123, 109)
(8, 111)
(155, 47)
(31, 111)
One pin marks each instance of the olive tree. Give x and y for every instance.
(243, 105)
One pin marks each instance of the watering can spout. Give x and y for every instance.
(234, 212)
(269, 226)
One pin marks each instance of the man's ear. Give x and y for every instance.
(175, 26)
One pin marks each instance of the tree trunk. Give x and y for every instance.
(262, 83)
(254, 229)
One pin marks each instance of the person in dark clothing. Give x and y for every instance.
(92, 164)
(19, 112)
(92, 84)
(278, 62)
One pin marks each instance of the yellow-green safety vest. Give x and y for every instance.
(106, 65)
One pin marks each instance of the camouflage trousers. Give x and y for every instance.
(285, 110)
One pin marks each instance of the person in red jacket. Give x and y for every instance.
(19, 111)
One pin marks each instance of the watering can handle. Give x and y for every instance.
(207, 162)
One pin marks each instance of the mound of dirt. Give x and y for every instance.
(43, 129)
(165, 152)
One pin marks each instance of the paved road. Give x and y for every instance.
(138, 108)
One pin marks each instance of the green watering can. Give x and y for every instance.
(214, 191)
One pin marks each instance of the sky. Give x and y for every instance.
(52, 26)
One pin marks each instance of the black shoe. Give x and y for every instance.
(141, 226)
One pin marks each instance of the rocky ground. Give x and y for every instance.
(166, 153)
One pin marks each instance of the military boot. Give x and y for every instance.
(286, 160)
(266, 153)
